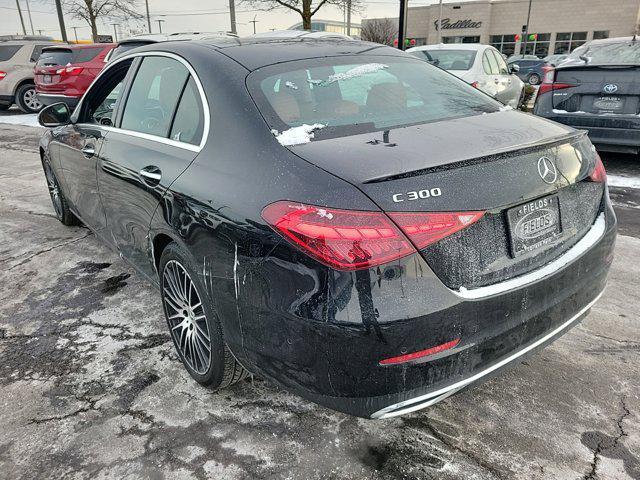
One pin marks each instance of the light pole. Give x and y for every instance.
(146, 2)
(24, 30)
(402, 23)
(75, 32)
(232, 15)
(160, 24)
(254, 21)
(115, 31)
(63, 30)
(348, 18)
(29, 14)
(526, 31)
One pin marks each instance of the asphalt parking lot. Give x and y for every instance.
(90, 385)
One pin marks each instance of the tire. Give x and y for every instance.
(534, 79)
(60, 204)
(193, 323)
(27, 100)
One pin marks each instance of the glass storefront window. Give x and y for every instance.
(505, 44)
(460, 39)
(540, 46)
(566, 42)
(600, 34)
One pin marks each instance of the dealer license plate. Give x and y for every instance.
(534, 224)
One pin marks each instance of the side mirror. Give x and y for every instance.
(514, 68)
(55, 115)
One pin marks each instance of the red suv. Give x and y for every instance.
(63, 73)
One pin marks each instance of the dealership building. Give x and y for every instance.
(556, 26)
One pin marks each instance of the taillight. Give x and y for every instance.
(70, 71)
(598, 174)
(548, 81)
(2, 75)
(474, 84)
(353, 240)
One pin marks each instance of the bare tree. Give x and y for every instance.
(305, 8)
(91, 10)
(379, 30)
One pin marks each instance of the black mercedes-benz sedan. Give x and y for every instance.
(337, 216)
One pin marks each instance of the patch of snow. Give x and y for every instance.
(297, 135)
(324, 214)
(27, 119)
(358, 71)
(624, 182)
(506, 108)
(591, 237)
(291, 85)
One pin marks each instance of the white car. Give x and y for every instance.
(480, 65)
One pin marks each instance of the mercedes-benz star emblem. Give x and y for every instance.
(547, 170)
(610, 88)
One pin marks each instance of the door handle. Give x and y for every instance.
(151, 175)
(89, 151)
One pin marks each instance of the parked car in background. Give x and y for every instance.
(480, 65)
(63, 73)
(17, 59)
(147, 39)
(376, 281)
(555, 59)
(530, 68)
(597, 88)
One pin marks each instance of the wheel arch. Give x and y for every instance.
(25, 81)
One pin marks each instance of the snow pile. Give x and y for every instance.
(622, 181)
(506, 108)
(291, 85)
(28, 119)
(297, 135)
(357, 72)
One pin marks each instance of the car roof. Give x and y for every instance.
(168, 37)
(256, 52)
(613, 40)
(450, 46)
(67, 46)
(27, 42)
(298, 34)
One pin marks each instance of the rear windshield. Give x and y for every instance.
(612, 53)
(350, 95)
(8, 51)
(448, 59)
(58, 56)
(62, 56)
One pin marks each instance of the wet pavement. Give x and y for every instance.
(90, 385)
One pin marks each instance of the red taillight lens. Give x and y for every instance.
(421, 354)
(474, 84)
(599, 174)
(2, 75)
(70, 71)
(342, 239)
(423, 229)
(353, 240)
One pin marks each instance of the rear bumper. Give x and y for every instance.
(51, 98)
(337, 365)
(606, 132)
(6, 99)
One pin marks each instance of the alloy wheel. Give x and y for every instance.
(186, 317)
(54, 190)
(31, 100)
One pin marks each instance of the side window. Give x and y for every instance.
(37, 51)
(493, 63)
(154, 95)
(188, 123)
(486, 66)
(502, 65)
(101, 100)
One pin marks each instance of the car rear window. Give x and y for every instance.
(612, 53)
(350, 95)
(125, 47)
(53, 57)
(448, 59)
(82, 55)
(8, 51)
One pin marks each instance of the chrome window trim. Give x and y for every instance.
(146, 136)
(431, 398)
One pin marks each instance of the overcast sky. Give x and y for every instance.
(183, 15)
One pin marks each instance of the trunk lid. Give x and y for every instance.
(598, 89)
(486, 162)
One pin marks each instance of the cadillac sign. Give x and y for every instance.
(458, 24)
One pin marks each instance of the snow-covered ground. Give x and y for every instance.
(623, 181)
(28, 119)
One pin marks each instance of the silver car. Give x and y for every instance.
(480, 65)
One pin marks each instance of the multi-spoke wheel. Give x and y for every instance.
(186, 317)
(27, 99)
(57, 197)
(193, 323)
